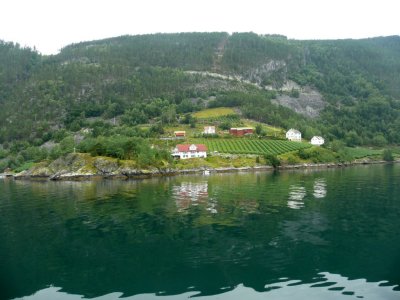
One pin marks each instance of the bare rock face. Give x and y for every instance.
(271, 68)
(308, 103)
(105, 165)
(41, 170)
(70, 162)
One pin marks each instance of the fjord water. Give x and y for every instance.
(322, 234)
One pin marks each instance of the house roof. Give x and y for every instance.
(291, 130)
(317, 138)
(185, 147)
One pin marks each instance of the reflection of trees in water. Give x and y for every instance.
(307, 228)
(132, 231)
(80, 190)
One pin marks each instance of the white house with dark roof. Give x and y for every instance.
(293, 135)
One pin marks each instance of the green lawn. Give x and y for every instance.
(214, 113)
(270, 130)
(360, 152)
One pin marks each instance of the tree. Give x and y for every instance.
(169, 115)
(272, 160)
(379, 140)
(156, 129)
(258, 129)
(226, 125)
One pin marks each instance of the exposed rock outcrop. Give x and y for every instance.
(308, 103)
(80, 166)
(105, 165)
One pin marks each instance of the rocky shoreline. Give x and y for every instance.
(79, 167)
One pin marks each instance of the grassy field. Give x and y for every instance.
(270, 130)
(360, 152)
(251, 146)
(214, 113)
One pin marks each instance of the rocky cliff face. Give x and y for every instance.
(308, 102)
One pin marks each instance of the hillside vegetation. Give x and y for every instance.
(137, 86)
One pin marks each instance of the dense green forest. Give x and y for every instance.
(134, 86)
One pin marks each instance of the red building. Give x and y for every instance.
(241, 131)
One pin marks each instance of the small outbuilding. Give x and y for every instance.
(180, 133)
(209, 130)
(293, 135)
(185, 151)
(317, 141)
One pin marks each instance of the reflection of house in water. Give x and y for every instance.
(192, 193)
(297, 193)
(296, 196)
(319, 188)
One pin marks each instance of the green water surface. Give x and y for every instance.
(327, 234)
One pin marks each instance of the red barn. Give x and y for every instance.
(241, 131)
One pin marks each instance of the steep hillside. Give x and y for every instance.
(344, 89)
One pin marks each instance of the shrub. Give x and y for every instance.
(303, 154)
(3, 164)
(3, 153)
(225, 125)
(24, 166)
(292, 159)
(387, 155)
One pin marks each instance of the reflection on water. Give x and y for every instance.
(331, 286)
(221, 236)
(309, 228)
(328, 286)
(297, 193)
(189, 194)
(296, 196)
(319, 188)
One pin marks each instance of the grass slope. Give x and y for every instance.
(214, 113)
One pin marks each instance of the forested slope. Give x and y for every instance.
(149, 79)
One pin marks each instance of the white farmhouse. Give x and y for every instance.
(209, 130)
(317, 141)
(184, 151)
(293, 135)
